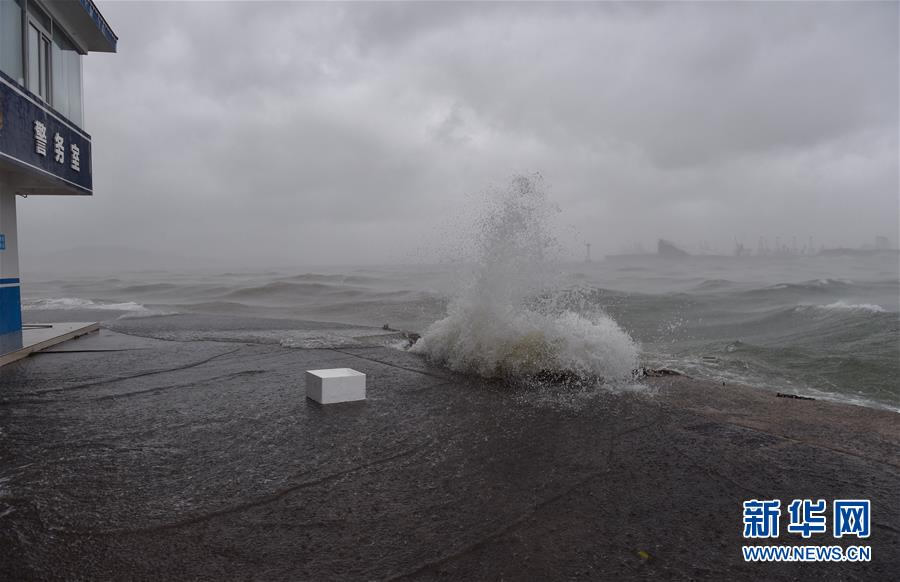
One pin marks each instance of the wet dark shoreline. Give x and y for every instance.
(203, 460)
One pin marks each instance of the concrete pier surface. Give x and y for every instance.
(34, 338)
(190, 458)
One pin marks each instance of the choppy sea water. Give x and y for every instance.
(822, 326)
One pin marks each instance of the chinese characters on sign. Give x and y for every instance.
(59, 152)
(55, 151)
(40, 138)
(75, 157)
(850, 517)
(59, 147)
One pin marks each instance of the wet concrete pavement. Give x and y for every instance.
(202, 460)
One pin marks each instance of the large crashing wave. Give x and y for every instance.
(497, 327)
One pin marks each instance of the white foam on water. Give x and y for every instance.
(73, 303)
(827, 282)
(844, 306)
(494, 327)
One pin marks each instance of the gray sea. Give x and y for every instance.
(826, 327)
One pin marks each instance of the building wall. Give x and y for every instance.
(43, 148)
(10, 294)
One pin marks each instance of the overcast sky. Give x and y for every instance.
(277, 133)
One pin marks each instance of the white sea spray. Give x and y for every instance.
(502, 324)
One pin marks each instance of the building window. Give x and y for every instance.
(51, 65)
(66, 65)
(11, 40)
(38, 61)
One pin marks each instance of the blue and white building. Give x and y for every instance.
(44, 148)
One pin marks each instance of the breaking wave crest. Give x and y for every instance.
(845, 306)
(70, 303)
(495, 327)
(129, 309)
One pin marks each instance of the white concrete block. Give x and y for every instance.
(335, 385)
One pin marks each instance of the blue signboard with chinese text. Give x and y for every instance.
(41, 142)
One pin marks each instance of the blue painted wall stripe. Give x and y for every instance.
(10, 309)
(9, 281)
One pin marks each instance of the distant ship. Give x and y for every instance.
(668, 250)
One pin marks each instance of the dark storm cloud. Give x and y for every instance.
(316, 133)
